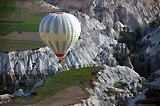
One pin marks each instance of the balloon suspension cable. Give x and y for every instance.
(60, 60)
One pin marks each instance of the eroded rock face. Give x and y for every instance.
(128, 63)
(156, 62)
(152, 47)
(129, 12)
(150, 93)
(82, 5)
(95, 46)
(115, 86)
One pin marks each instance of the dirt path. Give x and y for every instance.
(71, 95)
(32, 36)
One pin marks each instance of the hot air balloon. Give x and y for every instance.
(59, 31)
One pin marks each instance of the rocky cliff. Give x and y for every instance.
(81, 5)
(132, 13)
(96, 46)
(115, 86)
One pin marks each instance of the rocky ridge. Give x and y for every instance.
(96, 46)
(129, 12)
(114, 87)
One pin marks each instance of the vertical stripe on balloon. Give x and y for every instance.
(64, 24)
(72, 28)
(64, 46)
(56, 25)
(43, 21)
(48, 24)
(50, 43)
(57, 45)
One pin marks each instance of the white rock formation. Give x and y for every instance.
(20, 92)
(46, 5)
(115, 86)
(92, 101)
(5, 98)
(129, 12)
(154, 41)
(139, 97)
(128, 63)
(156, 79)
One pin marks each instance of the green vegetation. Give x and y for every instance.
(139, 65)
(9, 11)
(56, 83)
(6, 8)
(10, 45)
(7, 27)
(117, 72)
(129, 39)
(111, 91)
(20, 20)
(97, 11)
(120, 85)
(152, 24)
(4, 90)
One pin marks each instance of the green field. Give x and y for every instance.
(7, 27)
(11, 45)
(56, 83)
(8, 10)
(32, 19)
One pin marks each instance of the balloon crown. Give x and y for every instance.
(59, 13)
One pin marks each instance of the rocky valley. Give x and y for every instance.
(121, 36)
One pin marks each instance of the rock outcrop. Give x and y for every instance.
(96, 46)
(5, 98)
(128, 63)
(129, 12)
(152, 46)
(82, 5)
(150, 93)
(115, 86)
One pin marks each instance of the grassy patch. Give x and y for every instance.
(117, 72)
(10, 45)
(7, 27)
(120, 85)
(56, 83)
(8, 10)
(30, 25)
(111, 92)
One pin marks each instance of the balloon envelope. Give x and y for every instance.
(59, 31)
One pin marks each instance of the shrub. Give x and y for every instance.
(152, 24)
(120, 85)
